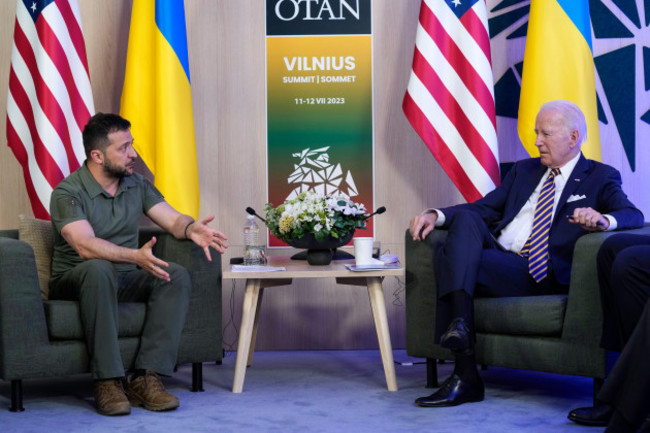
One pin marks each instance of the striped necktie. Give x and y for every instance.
(536, 247)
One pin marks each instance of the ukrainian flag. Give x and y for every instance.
(157, 99)
(559, 64)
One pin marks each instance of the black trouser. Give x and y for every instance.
(624, 278)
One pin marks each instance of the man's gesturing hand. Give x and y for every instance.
(206, 237)
(150, 263)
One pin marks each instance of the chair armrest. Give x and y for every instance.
(421, 292)
(22, 319)
(584, 312)
(583, 316)
(201, 340)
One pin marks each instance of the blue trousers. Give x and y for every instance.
(471, 260)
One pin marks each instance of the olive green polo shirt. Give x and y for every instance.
(113, 218)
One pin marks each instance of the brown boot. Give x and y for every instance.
(149, 392)
(110, 399)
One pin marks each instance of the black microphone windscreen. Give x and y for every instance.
(251, 211)
(380, 210)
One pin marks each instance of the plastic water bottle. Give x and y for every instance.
(253, 250)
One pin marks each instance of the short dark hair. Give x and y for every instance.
(95, 135)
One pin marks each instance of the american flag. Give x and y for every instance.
(450, 95)
(50, 98)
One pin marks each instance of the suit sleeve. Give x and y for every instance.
(491, 207)
(613, 201)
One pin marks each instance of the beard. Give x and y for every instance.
(114, 171)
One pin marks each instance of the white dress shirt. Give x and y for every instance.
(516, 233)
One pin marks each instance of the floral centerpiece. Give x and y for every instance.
(316, 221)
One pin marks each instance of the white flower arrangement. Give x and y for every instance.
(322, 215)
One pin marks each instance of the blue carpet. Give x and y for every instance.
(311, 391)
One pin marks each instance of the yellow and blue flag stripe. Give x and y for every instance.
(157, 100)
(559, 64)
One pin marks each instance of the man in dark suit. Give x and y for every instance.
(518, 240)
(624, 278)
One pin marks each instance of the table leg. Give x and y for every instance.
(251, 350)
(378, 308)
(249, 308)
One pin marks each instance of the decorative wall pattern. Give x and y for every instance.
(621, 43)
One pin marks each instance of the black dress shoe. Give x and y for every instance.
(452, 393)
(598, 416)
(457, 335)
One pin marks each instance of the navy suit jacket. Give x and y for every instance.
(599, 183)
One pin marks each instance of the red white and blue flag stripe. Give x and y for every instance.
(50, 98)
(450, 95)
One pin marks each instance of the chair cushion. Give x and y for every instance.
(528, 315)
(39, 235)
(64, 323)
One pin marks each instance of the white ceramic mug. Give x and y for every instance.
(363, 250)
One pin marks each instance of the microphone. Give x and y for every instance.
(251, 211)
(379, 211)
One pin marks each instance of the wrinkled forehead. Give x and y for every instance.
(550, 118)
(119, 137)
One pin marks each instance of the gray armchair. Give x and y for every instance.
(42, 338)
(558, 333)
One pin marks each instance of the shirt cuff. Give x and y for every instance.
(441, 216)
(613, 224)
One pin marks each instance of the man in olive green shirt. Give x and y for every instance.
(95, 215)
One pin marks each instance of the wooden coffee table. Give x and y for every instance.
(257, 281)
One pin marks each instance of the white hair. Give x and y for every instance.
(572, 115)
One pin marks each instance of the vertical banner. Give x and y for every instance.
(319, 101)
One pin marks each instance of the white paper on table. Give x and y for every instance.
(247, 268)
